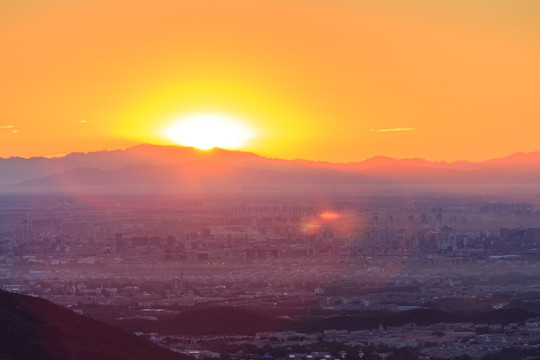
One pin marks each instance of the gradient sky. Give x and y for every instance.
(337, 80)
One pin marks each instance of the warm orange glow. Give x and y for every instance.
(322, 80)
(206, 131)
(329, 215)
(310, 227)
(344, 224)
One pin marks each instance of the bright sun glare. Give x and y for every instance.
(208, 130)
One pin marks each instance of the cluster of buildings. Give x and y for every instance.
(355, 254)
(437, 341)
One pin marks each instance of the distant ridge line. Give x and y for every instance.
(147, 166)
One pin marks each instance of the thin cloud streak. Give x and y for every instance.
(393, 129)
(6, 126)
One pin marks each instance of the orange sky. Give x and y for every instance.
(317, 79)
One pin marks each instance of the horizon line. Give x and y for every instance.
(63, 155)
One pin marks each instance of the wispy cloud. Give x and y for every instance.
(393, 129)
(9, 127)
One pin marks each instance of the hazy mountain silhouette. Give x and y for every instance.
(191, 176)
(36, 329)
(147, 167)
(214, 320)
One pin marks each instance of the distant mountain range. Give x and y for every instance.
(175, 168)
(36, 329)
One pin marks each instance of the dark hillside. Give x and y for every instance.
(36, 329)
(214, 320)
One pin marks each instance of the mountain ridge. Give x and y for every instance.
(146, 147)
(171, 166)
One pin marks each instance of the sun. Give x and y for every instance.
(208, 130)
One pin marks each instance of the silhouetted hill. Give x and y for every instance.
(371, 319)
(19, 169)
(36, 329)
(187, 177)
(214, 320)
(231, 320)
(149, 167)
(203, 176)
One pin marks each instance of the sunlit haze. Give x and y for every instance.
(205, 131)
(320, 80)
(269, 179)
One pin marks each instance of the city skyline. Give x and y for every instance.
(270, 179)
